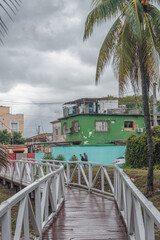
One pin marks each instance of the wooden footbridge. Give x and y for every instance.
(66, 200)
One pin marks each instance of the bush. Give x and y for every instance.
(60, 157)
(73, 159)
(136, 149)
(48, 156)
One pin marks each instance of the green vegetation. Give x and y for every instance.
(17, 138)
(60, 157)
(136, 149)
(73, 159)
(48, 156)
(5, 137)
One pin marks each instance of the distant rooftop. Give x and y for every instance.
(81, 100)
(104, 105)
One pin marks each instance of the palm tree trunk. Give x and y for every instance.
(145, 99)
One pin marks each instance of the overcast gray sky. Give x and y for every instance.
(45, 60)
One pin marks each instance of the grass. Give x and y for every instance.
(139, 177)
(5, 193)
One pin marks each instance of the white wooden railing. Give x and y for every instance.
(139, 214)
(47, 192)
(86, 177)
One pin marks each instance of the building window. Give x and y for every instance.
(129, 125)
(14, 125)
(56, 130)
(75, 127)
(102, 126)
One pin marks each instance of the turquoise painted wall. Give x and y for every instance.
(39, 155)
(98, 154)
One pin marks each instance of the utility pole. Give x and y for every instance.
(154, 105)
(39, 129)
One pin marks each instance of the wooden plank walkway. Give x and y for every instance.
(86, 216)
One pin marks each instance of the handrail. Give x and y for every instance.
(89, 180)
(138, 213)
(47, 191)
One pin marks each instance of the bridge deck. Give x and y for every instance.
(86, 216)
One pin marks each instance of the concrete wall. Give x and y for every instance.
(39, 155)
(88, 135)
(4, 110)
(5, 122)
(56, 128)
(97, 154)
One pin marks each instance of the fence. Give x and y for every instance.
(139, 214)
(47, 192)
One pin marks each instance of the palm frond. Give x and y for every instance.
(134, 10)
(107, 47)
(124, 54)
(154, 18)
(9, 8)
(4, 157)
(103, 9)
(150, 50)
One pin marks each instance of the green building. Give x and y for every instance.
(99, 121)
(100, 128)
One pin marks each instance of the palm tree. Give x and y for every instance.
(133, 45)
(8, 8)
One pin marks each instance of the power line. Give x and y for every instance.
(35, 103)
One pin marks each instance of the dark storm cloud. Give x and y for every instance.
(45, 60)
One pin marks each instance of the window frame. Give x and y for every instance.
(56, 131)
(108, 126)
(14, 122)
(73, 126)
(129, 128)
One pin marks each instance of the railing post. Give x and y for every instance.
(79, 174)
(6, 226)
(90, 176)
(68, 173)
(38, 208)
(149, 227)
(115, 183)
(31, 171)
(102, 179)
(62, 181)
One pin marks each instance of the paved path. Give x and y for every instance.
(86, 216)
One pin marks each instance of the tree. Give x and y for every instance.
(133, 42)
(17, 138)
(5, 137)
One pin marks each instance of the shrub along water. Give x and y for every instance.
(136, 149)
